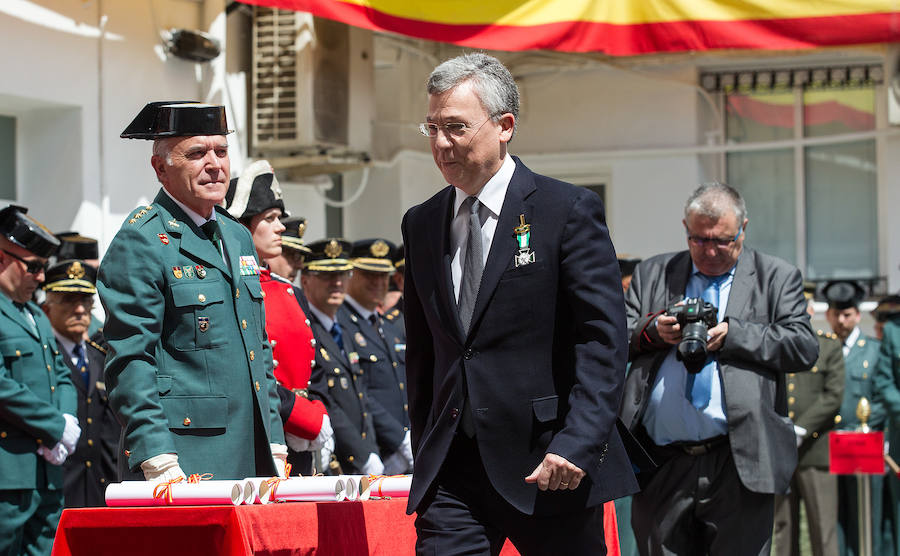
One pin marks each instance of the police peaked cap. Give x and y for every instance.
(72, 275)
(292, 236)
(399, 257)
(887, 308)
(26, 232)
(373, 255)
(843, 294)
(328, 255)
(178, 118)
(254, 192)
(73, 245)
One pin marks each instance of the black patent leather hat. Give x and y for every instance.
(158, 120)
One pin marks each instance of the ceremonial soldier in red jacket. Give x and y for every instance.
(255, 199)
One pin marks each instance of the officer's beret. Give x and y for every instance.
(373, 255)
(73, 245)
(328, 255)
(292, 236)
(843, 294)
(255, 191)
(179, 118)
(26, 232)
(71, 276)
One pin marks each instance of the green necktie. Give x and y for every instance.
(211, 229)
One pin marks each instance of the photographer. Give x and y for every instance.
(720, 435)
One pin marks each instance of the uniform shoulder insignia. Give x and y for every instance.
(820, 332)
(389, 316)
(97, 346)
(142, 214)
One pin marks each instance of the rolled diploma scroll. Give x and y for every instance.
(204, 493)
(351, 482)
(304, 489)
(384, 487)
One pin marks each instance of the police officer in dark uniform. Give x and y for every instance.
(379, 345)
(70, 287)
(337, 378)
(74, 246)
(393, 302)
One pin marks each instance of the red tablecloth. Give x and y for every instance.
(319, 528)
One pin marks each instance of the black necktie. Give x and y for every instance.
(473, 264)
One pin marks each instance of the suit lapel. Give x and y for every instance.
(503, 246)
(16, 316)
(326, 342)
(678, 272)
(742, 285)
(439, 221)
(193, 242)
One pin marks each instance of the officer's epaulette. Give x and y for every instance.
(392, 315)
(829, 335)
(141, 215)
(98, 347)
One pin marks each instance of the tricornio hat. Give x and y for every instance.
(843, 294)
(373, 255)
(255, 191)
(178, 118)
(71, 276)
(328, 255)
(73, 245)
(26, 232)
(292, 236)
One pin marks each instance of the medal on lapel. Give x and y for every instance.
(523, 238)
(188, 271)
(360, 341)
(201, 272)
(176, 271)
(203, 323)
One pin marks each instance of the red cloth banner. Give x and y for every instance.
(856, 452)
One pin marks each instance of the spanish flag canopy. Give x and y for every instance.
(619, 27)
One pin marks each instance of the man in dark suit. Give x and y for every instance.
(721, 434)
(515, 338)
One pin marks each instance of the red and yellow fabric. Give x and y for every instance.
(620, 27)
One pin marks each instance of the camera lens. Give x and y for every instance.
(692, 348)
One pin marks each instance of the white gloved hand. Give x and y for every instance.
(395, 464)
(162, 468)
(279, 456)
(325, 456)
(56, 455)
(801, 434)
(373, 465)
(296, 443)
(71, 433)
(406, 450)
(325, 434)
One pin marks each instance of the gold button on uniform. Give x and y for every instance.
(53, 388)
(237, 293)
(88, 400)
(87, 464)
(791, 414)
(257, 385)
(201, 298)
(364, 434)
(48, 368)
(244, 324)
(791, 400)
(360, 395)
(350, 458)
(90, 442)
(3, 434)
(395, 364)
(90, 420)
(402, 386)
(791, 387)
(815, 369)
(187, 421)
(252, 355)
(18, 353)
(837, 419)
(372, 358)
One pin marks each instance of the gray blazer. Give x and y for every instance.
(768, 335)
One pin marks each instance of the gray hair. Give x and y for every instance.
(713, 199)
(163, 148)
(494, 85)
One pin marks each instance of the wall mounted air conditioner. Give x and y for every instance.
(312, 89)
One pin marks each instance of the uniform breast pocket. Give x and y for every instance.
(200, 315)
(15, 351)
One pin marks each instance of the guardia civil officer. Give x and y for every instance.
(70, 289)
(38, 428)
(379, 345)
(190, 367)
(337, 378)
(255, 199)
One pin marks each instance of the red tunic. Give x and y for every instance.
(293, 351)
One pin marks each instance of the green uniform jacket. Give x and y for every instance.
(814, 398)
(35, 391)
(887, 382)
(190, 366)
(860, 366)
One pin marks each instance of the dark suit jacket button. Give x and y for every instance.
(469, 354)
(454, 413)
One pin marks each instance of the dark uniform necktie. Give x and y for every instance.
(473, 265)
(211, 229)
(81, 364)
(338, 335)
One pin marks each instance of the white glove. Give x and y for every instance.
(70, 433)
(406, 450)
(395, 464)
(162, 468)
(279, 456)
(296, 443)
(325, 434)
(373, 465)
(56, 455)
(801, 434)
(325, 456)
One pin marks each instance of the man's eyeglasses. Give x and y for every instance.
(32, 267)
(453, 129)
(721, 243)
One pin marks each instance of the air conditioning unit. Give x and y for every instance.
(312, 98)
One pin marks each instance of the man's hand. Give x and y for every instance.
(668, 329)
(325, 433)
(406, 449)
(296, 443)
(54, 456)
(162, 468)
(373, 466)
(71, 433)
(279, 458)
(716, 336)
(556, 473)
